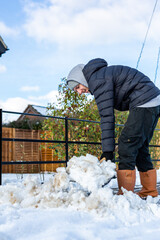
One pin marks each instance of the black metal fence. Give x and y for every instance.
(66, 141)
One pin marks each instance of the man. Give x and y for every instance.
(123, 88)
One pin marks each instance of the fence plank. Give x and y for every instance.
(26, 151)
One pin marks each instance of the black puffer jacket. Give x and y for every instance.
(116, 87)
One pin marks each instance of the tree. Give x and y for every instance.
(25, 124)
(72, 105)
(155, 151)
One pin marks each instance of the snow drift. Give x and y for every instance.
(79, 187)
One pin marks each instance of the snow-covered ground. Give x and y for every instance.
(62, 209)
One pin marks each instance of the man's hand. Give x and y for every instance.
(106, 156)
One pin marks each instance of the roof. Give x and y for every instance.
(33, 109)
(3, 46)
(40, 109)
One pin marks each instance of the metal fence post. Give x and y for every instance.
(66, 138)
(0, 146)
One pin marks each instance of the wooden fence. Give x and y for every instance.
(26, 151)
(32, 151)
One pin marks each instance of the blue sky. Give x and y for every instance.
(46, 38)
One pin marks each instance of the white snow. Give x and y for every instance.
(73, 205)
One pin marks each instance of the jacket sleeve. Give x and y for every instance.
(104, 96)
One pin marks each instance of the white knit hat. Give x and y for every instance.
(76, 76)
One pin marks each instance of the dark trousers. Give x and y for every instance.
(133, 144)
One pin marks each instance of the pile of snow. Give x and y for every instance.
(79, 187)
(31, 210)
(89, 172)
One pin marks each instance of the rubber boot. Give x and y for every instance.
(148, 181)
(126, 179)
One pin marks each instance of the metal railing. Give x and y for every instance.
(66, 141)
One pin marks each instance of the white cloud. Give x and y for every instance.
(5, 30)
(29, 88)
(50, 97)
(17, 104)
(2, 68)
(75, 22)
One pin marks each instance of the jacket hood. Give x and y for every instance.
(92, 66)
(76, 76)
